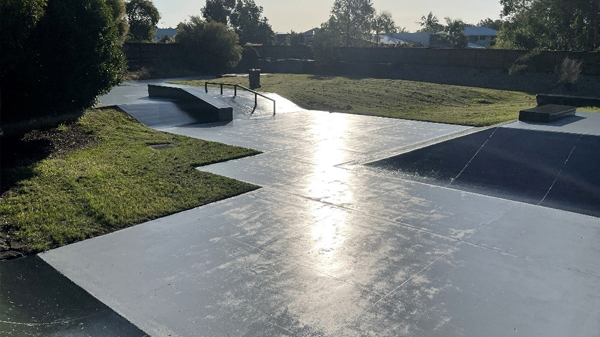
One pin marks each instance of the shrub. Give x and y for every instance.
(568, 71)
(323, 47)
(18, 20)
(527, 62)
(119, 16)
(516, 69)
(208, 46)
(71, 56)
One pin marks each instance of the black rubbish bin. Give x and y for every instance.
(254, 76)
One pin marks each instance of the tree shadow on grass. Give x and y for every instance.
(18, 155)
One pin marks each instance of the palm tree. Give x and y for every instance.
(383, 23)
(430, 23)
(455, 30)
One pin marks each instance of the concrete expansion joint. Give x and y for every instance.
(368, 215)
(527, 258)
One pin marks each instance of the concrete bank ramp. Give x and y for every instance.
(170, 105)
(159, 114)
(553, 169)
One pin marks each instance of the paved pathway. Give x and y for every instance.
(326, 248)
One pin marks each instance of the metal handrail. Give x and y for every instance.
(235, 86)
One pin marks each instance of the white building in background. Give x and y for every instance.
(481, 36)
(477, 37)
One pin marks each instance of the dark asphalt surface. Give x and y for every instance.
(36, 300)
(553, 169)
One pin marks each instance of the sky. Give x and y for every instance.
(302, 15)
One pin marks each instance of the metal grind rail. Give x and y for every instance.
(235, 86)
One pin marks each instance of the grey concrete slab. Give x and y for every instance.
(481, 292)
(221, 271)
(261, 227)
(374, 254)
(444, 211)
(245, 295)
(324, 154)
(183, 245)
(546, 235)
(325, 249)
(262, 170)
(584, 122)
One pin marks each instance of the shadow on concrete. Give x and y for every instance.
(36, 300)
(558, 170)
(562, 122)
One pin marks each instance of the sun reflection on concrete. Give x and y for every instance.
(328, 181)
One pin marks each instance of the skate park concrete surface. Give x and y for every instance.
(333, 246)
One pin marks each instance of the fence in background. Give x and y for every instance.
(298, 59)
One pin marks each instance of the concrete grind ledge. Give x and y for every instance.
(547, 113)
(577, 101)
(204, 107)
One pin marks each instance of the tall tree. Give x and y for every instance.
(210, 46)
(492, 24)
(430, 23)
(249, 23)
(550, 24)
(352, 20)
(455, 31)
(244, 16)
(143, 17)
(295, 39)
(218, 10)
(383, 24)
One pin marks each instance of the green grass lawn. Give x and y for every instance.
(116, 182)
(395, 98)
(590, 109)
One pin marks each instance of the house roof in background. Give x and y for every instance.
(481, 31)
(422, 38)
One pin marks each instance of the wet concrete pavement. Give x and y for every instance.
(328, 248)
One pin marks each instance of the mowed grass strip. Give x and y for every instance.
(394, 98)
(118, 182)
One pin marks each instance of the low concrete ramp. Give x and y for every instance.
(160, 114)
(553, 169)
(203, 107)
(171, 105)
